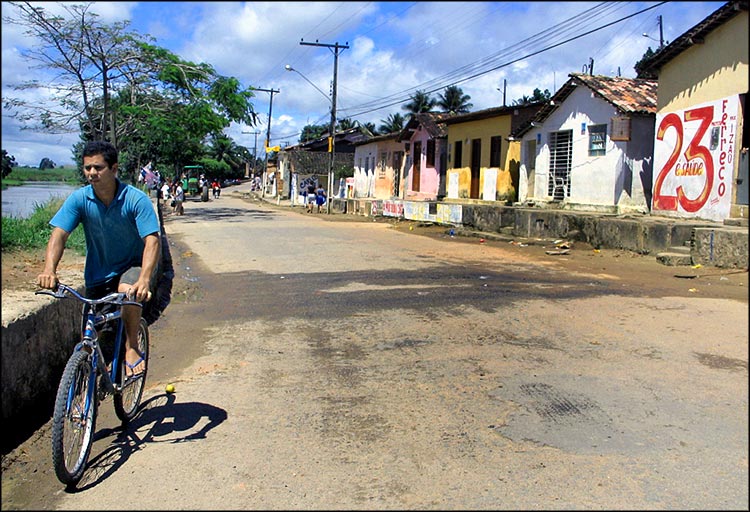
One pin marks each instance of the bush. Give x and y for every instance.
(33, 232)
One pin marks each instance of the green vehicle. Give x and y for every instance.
(190, 180)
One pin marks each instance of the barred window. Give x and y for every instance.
(597, 140)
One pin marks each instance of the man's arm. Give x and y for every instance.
(55, 248)
(141, 290)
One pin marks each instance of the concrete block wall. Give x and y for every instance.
(724, 248)
(35, 349)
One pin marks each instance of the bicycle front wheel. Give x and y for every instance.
(74, 418)
(128, 398)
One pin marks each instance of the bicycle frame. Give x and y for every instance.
(92, 321)
(86, 381)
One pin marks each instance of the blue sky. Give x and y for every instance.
(395, 48)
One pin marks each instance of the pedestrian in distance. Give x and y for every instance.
(123, 244)
(320, 197)
(179, 198)
(310, 197)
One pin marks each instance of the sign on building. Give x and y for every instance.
(694, 152)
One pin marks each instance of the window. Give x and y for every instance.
(431, 153)
(383, 163)
(620, 128)
(597, 139)
(495, 146)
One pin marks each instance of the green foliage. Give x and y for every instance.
(535, 97)
(215, 169)
(420, 102)
(454, 100)
(640, 67)
(113, 84)
(33, 232)
(60, 174)
(46, 163)
(345, 124)
(9, 162)
(313, 132)
(393, 123)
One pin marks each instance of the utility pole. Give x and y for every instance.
(332, 130)
(661, 33)
(268, 139)
(255, 148)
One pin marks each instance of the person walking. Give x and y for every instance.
(123, 244)
(320, 197)
(179, 198)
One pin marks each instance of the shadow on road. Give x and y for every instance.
(201, 214)
(161, 420)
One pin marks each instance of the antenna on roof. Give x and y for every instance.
(588, 68)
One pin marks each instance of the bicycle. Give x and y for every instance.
(86, 381)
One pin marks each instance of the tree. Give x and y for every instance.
(9, 162)
(368, 127)
(420, 102)
(89, 58)
(535, 97)
(46, 163)
(454, 100)
(224, 149)
(640, 68)
(393, 123)
(113, 84)
(313, 132)
(345, 124)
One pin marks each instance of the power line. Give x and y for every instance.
(508, 63)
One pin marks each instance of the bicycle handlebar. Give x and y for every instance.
(64, 291)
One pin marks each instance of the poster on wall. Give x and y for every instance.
(453, 185)
(694, 160)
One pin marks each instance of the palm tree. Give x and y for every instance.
(420, 102)
(345, 124)
(536, 96)
(368, 127)
(393, 123)
(454, 100)
(224, 149)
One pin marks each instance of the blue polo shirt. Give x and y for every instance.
(114, 233)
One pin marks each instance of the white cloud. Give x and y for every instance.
(395, 48)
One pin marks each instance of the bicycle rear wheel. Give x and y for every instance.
(128, 398)
(74, 418)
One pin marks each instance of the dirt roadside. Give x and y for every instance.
(629, 269)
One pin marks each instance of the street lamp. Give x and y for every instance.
(332, 127)
(290, 68)
(331, 130)
(661, 33)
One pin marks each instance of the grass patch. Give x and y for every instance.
(33, 232)
(21, 175)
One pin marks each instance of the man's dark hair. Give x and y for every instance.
(101, 147)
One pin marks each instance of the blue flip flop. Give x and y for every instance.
(132, 366)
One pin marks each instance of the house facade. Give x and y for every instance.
(424, 138)
(483, 160)
(590, 147)
(701, 146)
(378, 167)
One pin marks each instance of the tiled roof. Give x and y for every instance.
(631, 95)
(432, 122)
(695, 35)
(635, 96)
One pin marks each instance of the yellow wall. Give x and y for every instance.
(483, 129)
(710, 71)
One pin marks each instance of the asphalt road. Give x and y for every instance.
(324, 363)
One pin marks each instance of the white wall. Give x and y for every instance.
(609, 180)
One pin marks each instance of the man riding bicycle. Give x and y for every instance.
(123, 246)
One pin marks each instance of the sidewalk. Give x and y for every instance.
(674, 242)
